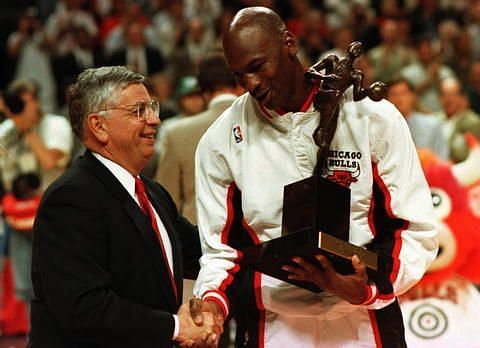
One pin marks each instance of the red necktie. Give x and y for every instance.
(148, 210)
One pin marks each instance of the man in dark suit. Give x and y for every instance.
(109, 246)
(137, 55)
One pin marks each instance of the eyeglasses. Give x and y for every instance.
(140, 109)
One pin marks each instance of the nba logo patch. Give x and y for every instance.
(237, 133)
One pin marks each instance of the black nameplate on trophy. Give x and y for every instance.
(316, 220)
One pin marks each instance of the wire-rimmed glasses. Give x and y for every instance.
(141, 109)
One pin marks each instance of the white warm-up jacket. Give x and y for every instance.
(243, 162)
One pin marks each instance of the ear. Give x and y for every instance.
(98, 127)
(291, 43)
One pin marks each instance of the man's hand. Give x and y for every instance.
(198, 307)
(351, 288)
(192, 335)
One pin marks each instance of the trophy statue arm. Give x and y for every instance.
(326, 63)
(358, 91)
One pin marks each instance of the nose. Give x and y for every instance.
(153, 118)
(250, 82)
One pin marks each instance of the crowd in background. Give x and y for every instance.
(427, 51)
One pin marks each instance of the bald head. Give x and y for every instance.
(257, 18)
(262, 55)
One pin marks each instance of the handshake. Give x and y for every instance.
(200, 324)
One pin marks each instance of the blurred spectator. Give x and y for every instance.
(426, 129)
(425, 17)
(29, 49)
(362, 18)
(339, 11)
(179, 140)
(474, 87)
(116, 38)
(198, 40)
(189, 97)
(297, 10)
(82, 56)
(208, 10)
(170, 27)
(61, 25)
(189, 102)
(389, 9)
(113, 19)
(35, 150)
(425, 74)
(458, 118)
(312, 40)
(221, 25)
(184, 60)
(462, 56)
(138, 56)
(473, 27)
(162, 88)
(31, 139)
(448, 31)
(391, 55)
(342, 37)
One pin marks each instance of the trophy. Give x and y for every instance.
(316, 210)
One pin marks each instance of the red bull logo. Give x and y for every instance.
(343, 177)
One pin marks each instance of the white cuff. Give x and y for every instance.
(176, 327)
(219, 298)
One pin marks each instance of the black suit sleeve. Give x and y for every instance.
(71, 274)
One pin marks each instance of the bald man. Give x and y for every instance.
(263, 142)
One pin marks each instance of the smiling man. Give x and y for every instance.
(264, 142)
(110, 248)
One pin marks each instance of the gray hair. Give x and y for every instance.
(93, 89)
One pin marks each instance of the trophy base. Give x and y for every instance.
(269, 257)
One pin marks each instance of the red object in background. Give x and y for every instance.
(13, 313)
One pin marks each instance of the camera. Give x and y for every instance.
(13, 101)
(25, 185)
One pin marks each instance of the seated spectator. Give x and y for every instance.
(426, 129)
(473, 87)
(425, 73)
(162, 89)
(138, 56)
(391, 55)
(458, 118)
(127, 12)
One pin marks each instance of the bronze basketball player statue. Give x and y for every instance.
(339, 75)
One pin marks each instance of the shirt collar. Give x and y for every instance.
(126, 179)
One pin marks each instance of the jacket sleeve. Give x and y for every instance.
(168, 173)
(401, 216)
(215, 190)
(70, 273)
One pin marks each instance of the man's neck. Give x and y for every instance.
(301, 93)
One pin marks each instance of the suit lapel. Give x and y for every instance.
(161, 209)
(141, 222)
